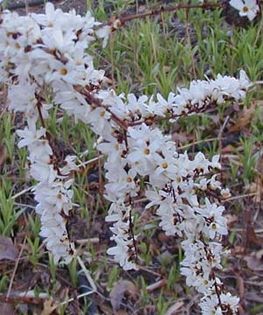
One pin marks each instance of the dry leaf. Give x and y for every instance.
(254, 296)
(252, 237)
(255, 261)
(7, 309)
(240, 285)
(231, 219)
(173, 310)
(3, 97)
(244, 118)
(259, 177)
(49, 307)
(122, 289)
(2, 155)
(180, 137)
(7, 249)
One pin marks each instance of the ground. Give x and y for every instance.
(146, 56)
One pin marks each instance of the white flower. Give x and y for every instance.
(99, 120)
(70, 165)
(121, 253)
(42, 172)
(113, 150)
(210, 305)
(124, 249)
(104, 33)
(144, 143)
(247, 8)
(22, 98)
(169, 218)
(230, 302)
(214, 221)
(50, 16)
(30, 136)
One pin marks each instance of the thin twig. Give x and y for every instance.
(91, 161)
(149, 271)
(76, 298)
(15, 269)
(21, 193)
(159, 284)
(93, 240)
(197, 142)
(122, 20)
(87, 274)
(240, 196)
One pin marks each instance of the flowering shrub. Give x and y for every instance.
(45, 56)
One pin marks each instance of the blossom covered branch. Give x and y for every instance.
(45, 56)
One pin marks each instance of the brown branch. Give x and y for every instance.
(39, 105)
(124, 124)
(17, 299)
(117, 22)
(96, 102)
(190, 110)
(213, 275)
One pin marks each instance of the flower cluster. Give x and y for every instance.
(176, 186)
(45, 56)
(248, 8)
(200, 95)
(40, 52)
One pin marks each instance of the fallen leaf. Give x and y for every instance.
(240, 285)
(156, 285)
(2, 155)
(180, 137)
(173, 310)
(259, 177)
(252, 237)
(231, 219)
(255, 261)
(244, 118)
(253, 296)
(122, 289)
(7, 249)
(238, 250)
(259, 254)
(3, 98)
(49, 307)
(7, 309)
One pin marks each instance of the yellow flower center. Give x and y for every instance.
(213, 226)
(245, 9)
(129, 179)
(146, 151)
(63, 71)
(164, 165)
